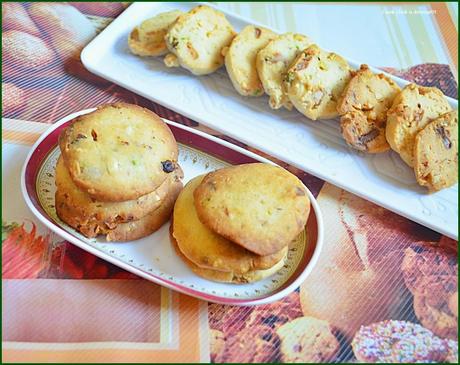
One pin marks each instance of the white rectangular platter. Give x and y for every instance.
(315, 147)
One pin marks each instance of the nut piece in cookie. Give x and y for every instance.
(240, 59)
(436, 153)
(307, 340)
(315, 81)
(259, 206)
(398, 341)
(147, 39)
(118, 152)
(413, 108)
(197, 39)
(363, 107)
(272, 63)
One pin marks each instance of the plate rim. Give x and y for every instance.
(310, 265)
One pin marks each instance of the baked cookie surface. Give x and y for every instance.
(315, 81)
(95, 216)
(259, 206)
(131, 230)
(118, 152)
(436, 153)
(307, 340)
(197, 39)
(413, 108)
(363, 107)
(272, 62)
(240, 59)
(209, 250)
(147, 39)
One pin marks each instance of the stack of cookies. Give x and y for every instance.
(117, 174)
(235, 224)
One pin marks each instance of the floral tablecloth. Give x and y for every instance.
(378, 270)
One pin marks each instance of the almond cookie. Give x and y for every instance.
(413, 108)
(272, 63)
(95, 216)
(363, 107)
(240, 59)
(307, 340)
(197, 39)
(436, 153)
(398, 342)
(227, 276)
(118, 152)
(315, 81)
(207, 249)
(128, 231)
(259, 206)
(148, 39)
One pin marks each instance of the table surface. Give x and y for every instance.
(63, 304)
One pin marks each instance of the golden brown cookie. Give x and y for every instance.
(240, 59)
(197, 39)
(413, 108)
(96, 216)
(307, 340)
(436, 153)
(118, 152)
(207, 249)
(315, 81)
(259, 206)
(363, 107)
(227, 276)
(272, 62)
(128, 231)
(148, 39)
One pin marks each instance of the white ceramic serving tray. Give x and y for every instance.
(315, 147)
(153, 257)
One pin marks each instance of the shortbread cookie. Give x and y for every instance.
(259, 206)
(228, 276)
(207, 249)
(436, 153)
(118, 152)
(197, 39)
(94, 215)
(148, 39)
(128, 231)
(413, 108)
(272, 63)
(315, 81)
(307, 340)
(363, 107)
(240, 59)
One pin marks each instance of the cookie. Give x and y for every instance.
(227, 276)
(240, 59)
(413, 108)
(315, 81)
(363, 107)
(118, 152)
(433, 312)
(97, 216)
(128, 231)
(148, 39)
(207, 249)
(307, 340)
(436, 153)
(197, 39)
(272, 62)
(398, 341)
(216, 345)
(257, 344)
(259, 206)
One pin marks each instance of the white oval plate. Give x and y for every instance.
(153, 257)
